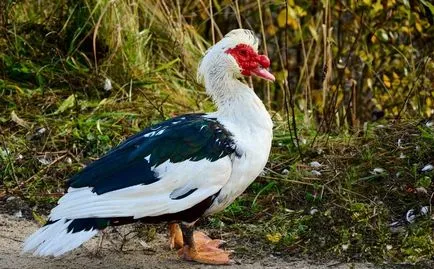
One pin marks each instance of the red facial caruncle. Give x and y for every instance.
(251, 63)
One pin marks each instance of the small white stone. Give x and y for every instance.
(400, 143)
(429, 124)
(18, 214)
(315, 164)
(285, 171)
(421, 190)
(11, 198)
(389, 247)
(395, 223)
(41, 130)
(313, 211)
(345, 246)
(378, 170)
(410, 216)
(427, 168)
(107, 84)
(315, 173)
(43, 160)
(424, 210)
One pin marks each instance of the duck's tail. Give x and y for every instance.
(60, 236)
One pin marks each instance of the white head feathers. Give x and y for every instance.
(216, 58)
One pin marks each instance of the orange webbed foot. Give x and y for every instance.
(176, 240)
(201, 249)
(207, 254)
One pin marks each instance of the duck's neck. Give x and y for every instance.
(236, 101)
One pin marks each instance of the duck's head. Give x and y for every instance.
(235, 55)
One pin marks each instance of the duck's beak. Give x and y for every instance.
(261, 71)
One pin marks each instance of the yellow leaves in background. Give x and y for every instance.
(429, 106)
(419, 27)
(386, 81)
(377, 6)
(313, 31)
(289, 20)
(290, 16)
(365, 56)
(405, 29)
(396, 79)
(272, 29)
(369, 83)
(274, 238)
(281, 75)
(300, 11)
(390, 3)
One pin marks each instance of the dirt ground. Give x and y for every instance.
(135, 254)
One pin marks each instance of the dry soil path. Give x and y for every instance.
(136, 254)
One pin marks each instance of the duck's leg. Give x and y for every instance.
(203, 252)
(175, 233)
(176, 240)
(98, 249)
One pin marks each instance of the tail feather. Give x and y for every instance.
(60, 236)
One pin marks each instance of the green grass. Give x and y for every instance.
(54, 65)
(346, 211)
(283, 211)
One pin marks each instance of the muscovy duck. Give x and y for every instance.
(179, 170)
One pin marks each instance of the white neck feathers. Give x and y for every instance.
(236, 101)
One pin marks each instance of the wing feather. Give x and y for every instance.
(193, 137)
(154, 172)
(149, 200)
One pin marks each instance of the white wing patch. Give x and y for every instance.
(149, 200)
(181, 193)
(155, 131)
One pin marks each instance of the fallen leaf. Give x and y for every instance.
(18, 120)
(68, 103)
